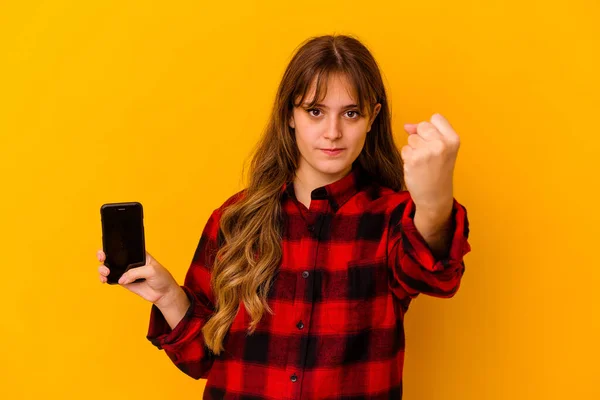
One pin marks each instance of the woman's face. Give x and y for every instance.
(334, 124)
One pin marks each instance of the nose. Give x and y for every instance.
(334, 129)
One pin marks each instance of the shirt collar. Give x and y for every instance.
(338, 192)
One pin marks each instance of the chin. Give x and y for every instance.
(333, 167)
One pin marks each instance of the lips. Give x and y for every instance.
(332, 152)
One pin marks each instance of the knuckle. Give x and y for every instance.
(456, 141)
(425, 127)
(405, 152)
(422, 125)
(440, 148)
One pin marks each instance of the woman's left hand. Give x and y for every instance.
(429, 160)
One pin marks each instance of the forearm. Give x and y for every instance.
(173, 306)
(435, 227)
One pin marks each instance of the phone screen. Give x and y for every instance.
(123, 238)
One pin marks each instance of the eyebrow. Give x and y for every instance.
(324, 106)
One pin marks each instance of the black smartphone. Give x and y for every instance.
(123, 238)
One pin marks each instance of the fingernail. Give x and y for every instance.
(121, 280)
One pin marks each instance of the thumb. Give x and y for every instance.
(134, 274)
(411, 128)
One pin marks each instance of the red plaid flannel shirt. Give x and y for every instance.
(351, 265)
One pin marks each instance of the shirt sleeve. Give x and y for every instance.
(184, 344)
(414, 267)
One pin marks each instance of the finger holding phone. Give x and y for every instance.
(125, 260)
(157, 283)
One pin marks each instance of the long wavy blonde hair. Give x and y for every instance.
(246, 263)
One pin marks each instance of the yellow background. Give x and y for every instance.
(161, 102)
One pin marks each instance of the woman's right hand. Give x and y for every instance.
(157, 287)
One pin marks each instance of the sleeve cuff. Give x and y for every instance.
(159, 330)
(417, 246)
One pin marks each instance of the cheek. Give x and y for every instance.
(302, 141)
(357, 134)
(307, 134)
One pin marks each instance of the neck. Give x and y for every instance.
(307, 180)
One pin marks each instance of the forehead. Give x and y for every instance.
(336, 88)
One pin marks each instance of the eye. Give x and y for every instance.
(355, 114)
(310, 111)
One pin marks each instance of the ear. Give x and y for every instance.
(375, 112)
(292, 123)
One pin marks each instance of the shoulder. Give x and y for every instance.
(392, 203)
(385, 197)
(212, 228)
(234, 198)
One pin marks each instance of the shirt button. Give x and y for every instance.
(305, 274)
(300, 325)
(293, 378)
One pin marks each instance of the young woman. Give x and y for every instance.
(299, 284)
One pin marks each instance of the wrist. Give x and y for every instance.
(435, 214)
(174, 296)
